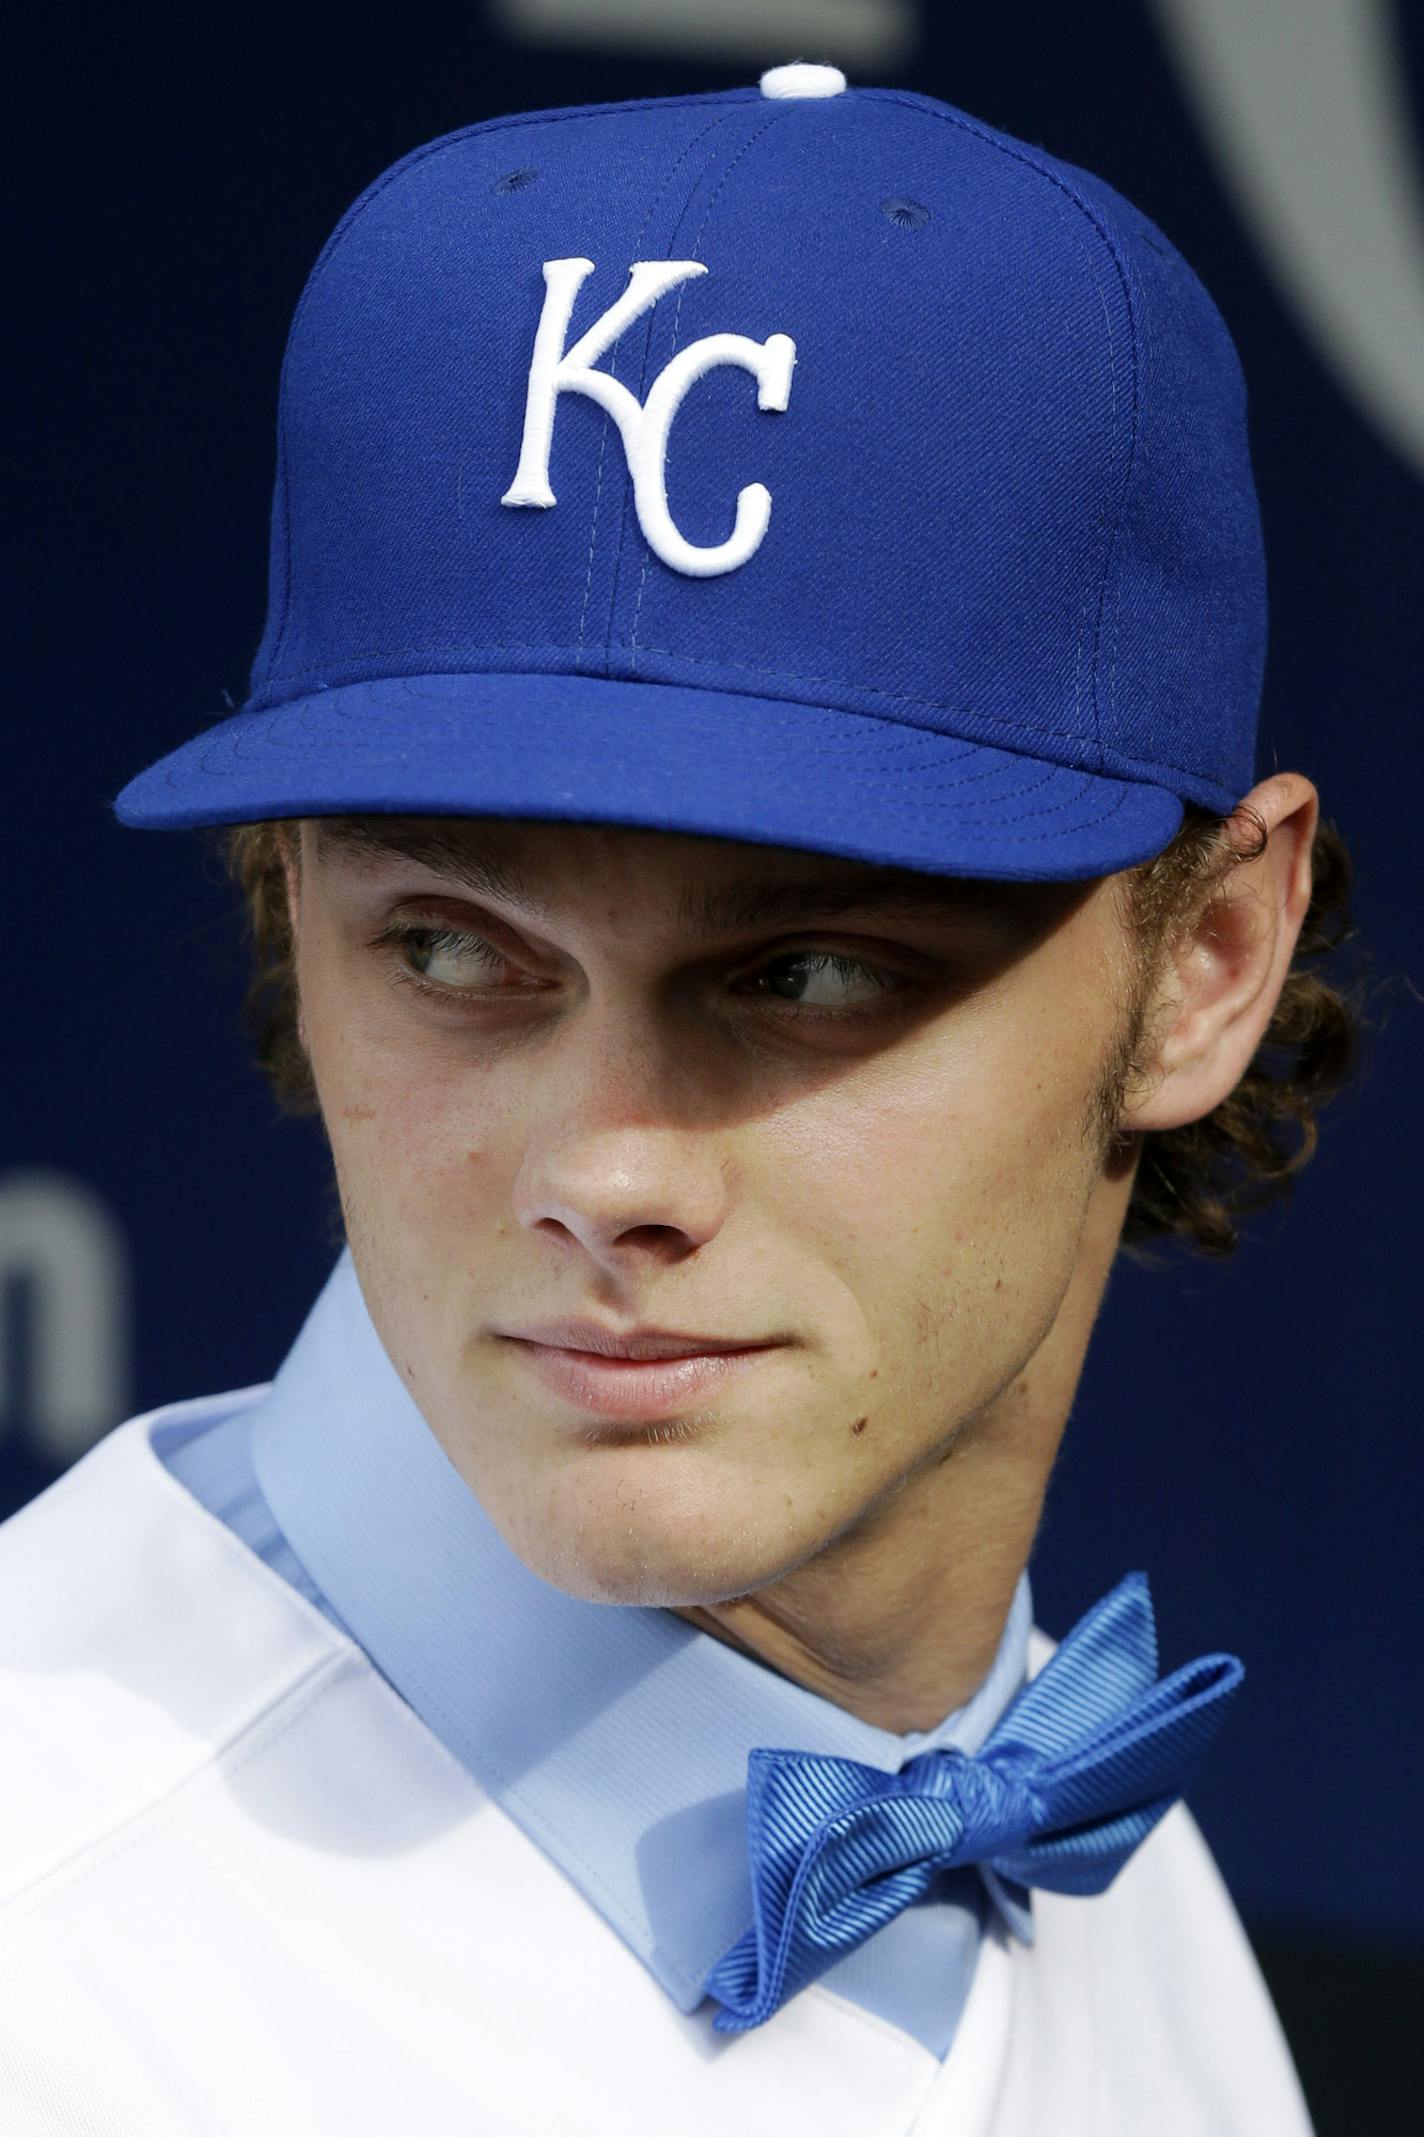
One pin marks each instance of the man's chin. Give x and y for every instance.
(636, 1556)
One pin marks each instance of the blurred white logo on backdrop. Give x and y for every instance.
(1305, 106)
(62, 1250)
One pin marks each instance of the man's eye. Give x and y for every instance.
(447, 958)
(819, 979)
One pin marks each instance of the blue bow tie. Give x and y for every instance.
(1091, 1754)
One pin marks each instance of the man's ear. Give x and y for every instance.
(1218, 989)
(292, 872)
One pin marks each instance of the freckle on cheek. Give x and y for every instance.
(358, 1113)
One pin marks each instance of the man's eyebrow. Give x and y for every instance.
(703, 909)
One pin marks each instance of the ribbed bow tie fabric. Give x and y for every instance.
(1092, 1753)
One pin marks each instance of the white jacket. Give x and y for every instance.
(244, 1891)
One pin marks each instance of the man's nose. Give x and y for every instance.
(618, 1152)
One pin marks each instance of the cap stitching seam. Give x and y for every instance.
(1148, 368)
(515, 645)
(777, 112)
(637, 254)
(898, 697)
(1017, 155)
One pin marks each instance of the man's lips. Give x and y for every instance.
(634, 1387)
(592, 1336)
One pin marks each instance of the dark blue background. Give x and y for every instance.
(1250, 1434)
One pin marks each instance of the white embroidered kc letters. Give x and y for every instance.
(643, 425)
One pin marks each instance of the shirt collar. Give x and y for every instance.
(616, 1736)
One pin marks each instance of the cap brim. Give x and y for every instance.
(664, 757)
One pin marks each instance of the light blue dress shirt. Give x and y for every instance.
(615, 1736)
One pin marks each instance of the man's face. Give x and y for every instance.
(656, 1081)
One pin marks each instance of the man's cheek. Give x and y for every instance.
(386, 1106)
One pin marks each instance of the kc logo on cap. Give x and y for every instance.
(644, 425)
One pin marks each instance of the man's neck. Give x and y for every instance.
(897, 1627)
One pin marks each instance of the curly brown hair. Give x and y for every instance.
(1192, 1183)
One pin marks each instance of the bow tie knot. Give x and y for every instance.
(1087, 1759)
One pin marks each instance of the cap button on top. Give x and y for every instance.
(801, 78)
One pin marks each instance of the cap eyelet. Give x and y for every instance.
(514, 181)
(905, 214)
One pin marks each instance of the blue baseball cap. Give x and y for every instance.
(800, 464)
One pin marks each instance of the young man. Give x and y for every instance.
(750, 826)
